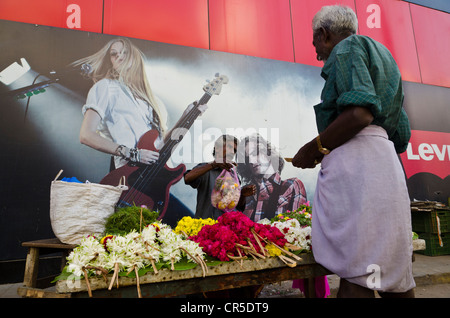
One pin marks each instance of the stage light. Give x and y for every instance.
(14, 72)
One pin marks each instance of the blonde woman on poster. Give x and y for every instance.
(121, 106)
(124, 118)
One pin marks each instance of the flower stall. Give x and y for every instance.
(150, 261)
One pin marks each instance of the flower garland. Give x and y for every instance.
(295, 234)
(189, 226)
(295, 225)
(232, 237)
(86, 257)
(125, 253)
(235, 236)
(216, 240)
(302, 214)
(89, 256)
(131, 252)
(153, 253)
(170, 243)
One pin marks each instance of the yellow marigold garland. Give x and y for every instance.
(190, 226)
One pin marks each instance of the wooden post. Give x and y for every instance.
(31, 267)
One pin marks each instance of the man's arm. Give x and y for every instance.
(201, 170)
(351, 121)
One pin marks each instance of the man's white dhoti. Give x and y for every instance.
(361, 219)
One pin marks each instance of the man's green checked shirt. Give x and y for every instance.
(362, 72)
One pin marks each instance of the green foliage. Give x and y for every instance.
(65, 275)
(126, 219)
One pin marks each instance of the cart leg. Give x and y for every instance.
(310, 287)
(31, 267)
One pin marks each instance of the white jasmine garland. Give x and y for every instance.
(113, 259)
(89, 253)
(77, 262)
(193, 249)
(170, 245)
(125, 251)
(136, 251)
(148, 236)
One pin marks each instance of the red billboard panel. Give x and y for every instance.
(432, 31)
(182, 22)
(428, 151)
(389, 22)
(303, 12)
(259, 28)
(85, 15)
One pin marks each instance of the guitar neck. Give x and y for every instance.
(182, 127)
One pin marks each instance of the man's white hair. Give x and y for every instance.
(337, 19)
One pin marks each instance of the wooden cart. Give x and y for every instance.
(168, 283)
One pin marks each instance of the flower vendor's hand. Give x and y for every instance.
(248, 190)
(308, 156)
(351, 121)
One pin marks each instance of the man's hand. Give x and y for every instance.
(223, 165)
(308, 156)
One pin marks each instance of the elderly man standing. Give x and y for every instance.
(361, 227)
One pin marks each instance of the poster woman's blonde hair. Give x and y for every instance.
(130, 72)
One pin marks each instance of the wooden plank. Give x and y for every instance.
(168, 275)
(210, 283)
(49, 243)
(224, 276)
(29, 292)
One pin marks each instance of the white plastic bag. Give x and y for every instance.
(226, 192)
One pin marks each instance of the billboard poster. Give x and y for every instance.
(427, 159)
(42, 115)
(43, 95)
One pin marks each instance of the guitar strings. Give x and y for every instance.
(165, 155)
(136, 190)
(146, 175)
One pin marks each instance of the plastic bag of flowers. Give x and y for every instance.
(227, 191)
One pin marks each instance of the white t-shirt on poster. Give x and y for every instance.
(124, 118)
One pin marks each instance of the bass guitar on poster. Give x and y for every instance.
(150, 184)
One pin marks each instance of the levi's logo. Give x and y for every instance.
(427, 151)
